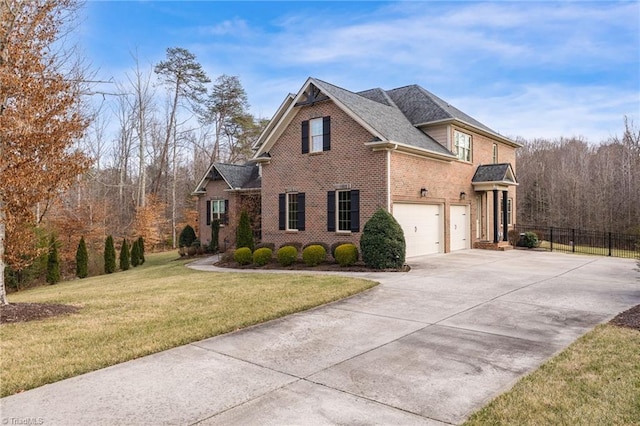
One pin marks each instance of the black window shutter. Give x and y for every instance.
(355, 210)
(208, 212)
(331, 211)
(305, 137)
(225, 217)
(282, 211)
(326, 133)
(301, 212)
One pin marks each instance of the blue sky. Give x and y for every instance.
(530, 69)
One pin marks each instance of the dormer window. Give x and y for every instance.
(316, 135)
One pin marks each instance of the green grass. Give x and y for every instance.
(595, 381)
(154, 307)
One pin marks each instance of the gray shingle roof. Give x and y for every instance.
(421, 107)
(387, 120)
(492, 173)
(239, 175)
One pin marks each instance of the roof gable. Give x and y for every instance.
(236, 176)
(372, 109)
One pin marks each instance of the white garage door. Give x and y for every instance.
(459, 228)
(422, 226)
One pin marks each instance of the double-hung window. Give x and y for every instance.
(291, 211)
(316, 135)
(343, 211)
(509, 212)
(463, 145)
(217, 210)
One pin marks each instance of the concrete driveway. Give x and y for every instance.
(429, 346)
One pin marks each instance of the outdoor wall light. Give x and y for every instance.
(463, 195)
(423, 192)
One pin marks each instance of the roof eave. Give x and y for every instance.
(409, 149)
(465, 124)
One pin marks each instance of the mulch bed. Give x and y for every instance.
(629, 318)
(301, 266)
(23, 312)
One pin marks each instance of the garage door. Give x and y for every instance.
(459, 228)
(422, 226)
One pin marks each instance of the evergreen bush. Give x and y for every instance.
(135, 254)
(109, 256)
(244, 235)
(314, 255)
(346, 254)
(270, 246)
(82, 260)
(141, 248)
(243, 256)
(53, 262)
(382, 242)
(262, 256)
(125, 256)
(530, 240)
(214, 245)
(287, 255)
(187, 235)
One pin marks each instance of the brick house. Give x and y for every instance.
(330, 158)
(223, 192)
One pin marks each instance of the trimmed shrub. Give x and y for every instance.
(262, 256)
(295, 244)
(125, 257)
(270, 246)
(214, 245)
(53, 262)
(187, 235)
(135, 254)
(530, 240)
(382, 243)
(243, 256)
(314, 255)
(346, 254)
(287, 255)
(334, 246)
(244, 235)
(82, 260)
(513, 236)
(109, 256)
(325, 246)
(141, 248)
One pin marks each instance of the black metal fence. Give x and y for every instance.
(587, 242)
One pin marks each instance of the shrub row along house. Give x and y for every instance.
(330, 158)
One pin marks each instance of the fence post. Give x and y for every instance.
(609, 243)
(573, 240)
(551, 238)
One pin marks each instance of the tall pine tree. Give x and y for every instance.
(53, 262)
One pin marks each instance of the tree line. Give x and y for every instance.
(569, 182)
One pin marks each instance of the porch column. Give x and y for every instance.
(495, 216)
(505, 216)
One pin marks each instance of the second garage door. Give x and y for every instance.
(459, 228)
(422, 226)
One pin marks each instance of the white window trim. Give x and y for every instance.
(219, 215)
(287, 228)
(456, 134)
(338, 230)
(312, 147)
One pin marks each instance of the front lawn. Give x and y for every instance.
(595, 381)
(154, 307)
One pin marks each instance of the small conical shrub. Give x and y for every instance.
(244, 235)
(125, 257)
(135, 254)
(382, 243)
(187, 236)
(82, 260)
(214, 245)
(53, 262)
(109, 256)
(141, 248)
